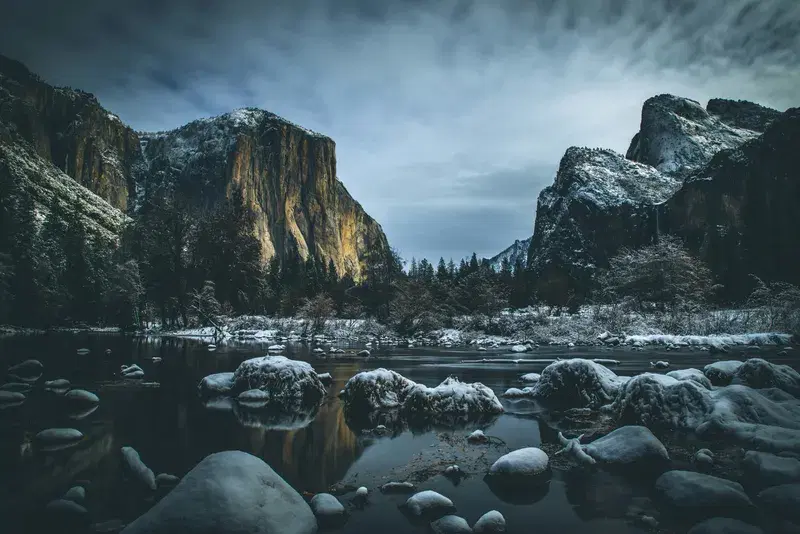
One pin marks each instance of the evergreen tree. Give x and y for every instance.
(442, 274)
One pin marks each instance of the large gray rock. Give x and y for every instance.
(450, 524)
(782, 501)
(627, 446)
(724, 525)
(696, 494)
(721, 373)
(764, 469)
(231, 492)
(215, 385)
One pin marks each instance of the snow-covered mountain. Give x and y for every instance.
(601, 202)
(517, 252)
(55, 136)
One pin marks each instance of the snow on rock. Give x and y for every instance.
(782, 501)
(577, 383)
(724, 525)
(721, 373)
(136, 468)
(477, 437)
(325, 378)
(131, 371)
(659, 364)
(516, 392)
(289, 382)
(519, 348)
(276, 348)
(378, 389)
(237, 491)
(364, 353)
(489, 523)
(452, 397)
(450, 524)
(530, 378)
(760, 374)
(429, 503)
(54, 439)
(398, 487)
(573, 447)
(628, 445)
(517, 252)
(713, 340)
(763, 469)
(527, 462)
(362, 492)
(327, 508)
(696, 375)
(215, 385)
(702, 495)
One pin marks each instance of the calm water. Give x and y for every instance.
(172, 431)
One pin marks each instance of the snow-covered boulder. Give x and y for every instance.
(577, 383)
(628, 446)
(327, 509)
(215, 385)
(430, 504)
(276, 348)
(28, 371)
(379, 389)
(398, 487)
(452, 397)
(724, 525)
(763, 469)
(289, 382)
(450, 524)
(658, 400)
(661, 364)
(721, 373)
(695, 375)
(530, 378)
(527, 462)
(760, 374)
(239, 493)
(515, 393)
(136, 469)
(477, 437)
(700, 495)
(519, 348)
(54, 439)
(782, 501)
(490, 523)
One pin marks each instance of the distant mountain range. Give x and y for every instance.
(517, 252)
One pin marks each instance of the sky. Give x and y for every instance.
(449, 116)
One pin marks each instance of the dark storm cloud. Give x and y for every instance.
(449, 116)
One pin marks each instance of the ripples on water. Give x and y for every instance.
(172, 431)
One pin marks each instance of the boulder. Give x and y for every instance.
(290, 383)
(137, 470)
(576, 383)
(327, 509)
(525, 463)
(721, 373)
(239, 493)
(763, 469)
(782, 501)
(450, 524)
(28, 371)
(430, 504)
(696, 375)
(724, 525)
(489, 523)
(702, 496)
(215, 385)
(627, 446)
(760, 374)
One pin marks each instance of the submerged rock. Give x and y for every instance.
(721, 373)
(137, 469)
(628, 445)
(131, 371)
(530, 378)
(81, 397)
(59, 385)
(429, 503)
(28, 371)
(76, 494)
(239, 492)
(763, 469)
(66, 514)
(490, 522)
(724, 525)
(450, 524)
(701, 495)
(215, 385)
(9, 399)
(17, 387)
(165, 479)
(54, 439)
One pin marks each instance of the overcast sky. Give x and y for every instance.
(449, 116)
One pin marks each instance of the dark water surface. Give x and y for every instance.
(167, 424)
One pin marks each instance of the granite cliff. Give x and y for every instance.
(721, 178)
(288, 174)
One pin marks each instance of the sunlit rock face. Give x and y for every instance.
(287, 175)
